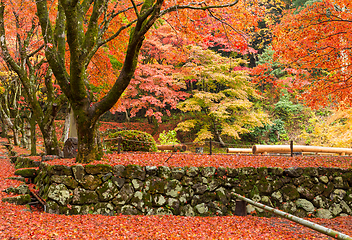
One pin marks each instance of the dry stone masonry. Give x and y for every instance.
(193, 191)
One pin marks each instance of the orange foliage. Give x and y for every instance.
(316, 42)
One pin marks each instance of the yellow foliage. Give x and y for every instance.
(334, 131)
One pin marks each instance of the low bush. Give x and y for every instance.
(132, 141)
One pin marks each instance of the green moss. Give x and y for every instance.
(98, 168)
(26, 173)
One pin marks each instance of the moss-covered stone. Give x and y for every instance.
(134, 171)
(247, 171)
(264, 186)
(107, 191)
(177, 173)
(208, 171)
(59, 193)
(91, 182)
(27, 172)
(173, 188)
(289, 192)
(155, 185)
(18, 200)
(59, 170)
(78, 172)
(311, 171)
(68, 181)
(192, 171)
(82, 196)
(124, 195)
(293, 172)
(98, 169)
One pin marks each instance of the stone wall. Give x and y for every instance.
(192, 191)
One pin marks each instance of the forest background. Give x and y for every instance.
(255, 85)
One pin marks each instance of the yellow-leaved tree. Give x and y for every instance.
(222, 97)
(332, 131)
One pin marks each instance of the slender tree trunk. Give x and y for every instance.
(33, 136)
(66, 130)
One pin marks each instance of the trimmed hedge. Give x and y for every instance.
(132, 141)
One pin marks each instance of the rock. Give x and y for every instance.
(107, 191)
(192, 171)
(335, 209)
(323, 213)
(339, 183)
(289, 207)
(18, 200)
(177, 173)
(276, 171)
(106, 177)
(201, 208)
(104, 209)
(22, 189)
(319, 202)
(134, 171)
(163, 211)
(337, 194)
(124, 195)
(173, 188)
(247, 171)
(91, 182)
(158, 200)
(59, 193)
(78, 172)
(174, 205)
(155, 185)
(26, 172)
(118, 170)
(151, 170)
(222, 195)
(68, 181)
(293, 172)
(266, 201)
(98, 169)
(345, 208)
(118, 181)
(208, 171)
(59, 170)
(164, 172)
(324, 179)
(277, 196)
(305, 204)
(82, 196)
(304, 192)
(289, 192)
(71, 147)
(129, 210)
(140, 200)
(187, 211)
(52, 207)
(199, 188)
(137, 184)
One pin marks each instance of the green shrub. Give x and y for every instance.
(168, 138)
(132, 141)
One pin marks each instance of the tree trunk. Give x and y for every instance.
(88, 147)
(33, 136)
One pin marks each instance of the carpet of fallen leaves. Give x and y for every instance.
(16, 222)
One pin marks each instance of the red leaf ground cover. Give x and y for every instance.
(17, 223)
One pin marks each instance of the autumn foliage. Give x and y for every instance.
(315, 41)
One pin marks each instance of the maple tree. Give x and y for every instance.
(314, 41)
(22, 54)
(220, 105)
(88, 26)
